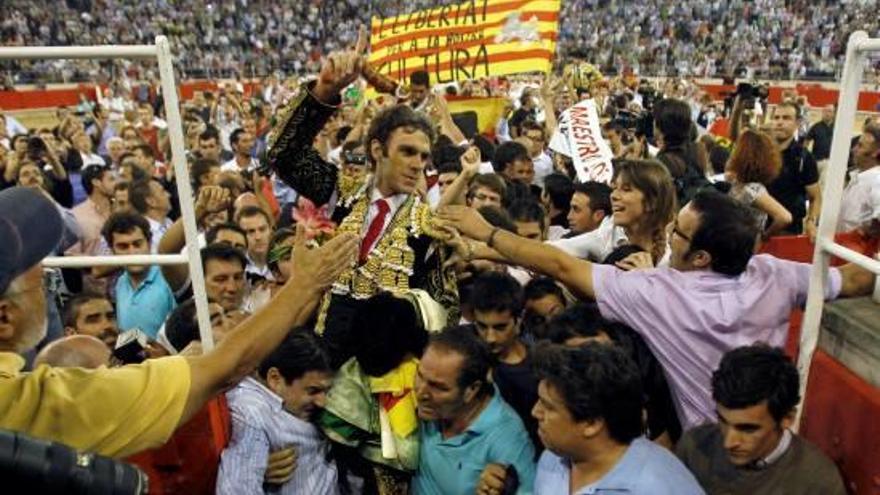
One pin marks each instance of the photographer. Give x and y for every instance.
(122, 411)
(43, 154)
(748, 102)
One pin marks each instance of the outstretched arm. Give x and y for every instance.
(574, 273)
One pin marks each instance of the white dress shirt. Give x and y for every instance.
(394, 204)
(597, 244)
(157, 230)
(543, 167)
(861, 200)
(232, 166)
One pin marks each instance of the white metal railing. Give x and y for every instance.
(162, 53)
(856, 54)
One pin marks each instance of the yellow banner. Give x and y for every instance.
(471, 40)
(488, 111)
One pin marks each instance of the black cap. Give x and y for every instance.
(30, 230)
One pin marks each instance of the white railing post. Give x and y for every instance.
(184, 190)
(162, 53)
(831, 197)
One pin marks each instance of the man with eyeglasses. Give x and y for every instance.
(714, 296)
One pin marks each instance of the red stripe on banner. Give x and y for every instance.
(552, 36)
(449, 67)
(465, 11)
(404, 37)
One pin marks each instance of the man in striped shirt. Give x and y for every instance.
(272, 411)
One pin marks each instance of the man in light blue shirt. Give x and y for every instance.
(589, 414)
(470, 439)
(143, 298)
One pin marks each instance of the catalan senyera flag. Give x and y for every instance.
(469, 40)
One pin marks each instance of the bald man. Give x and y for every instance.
(74, 351)
(244, 200)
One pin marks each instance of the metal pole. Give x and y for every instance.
(831, 197)
(866, 44)
(78, 52)
(851, 256)
(133, 259)
(184, 191)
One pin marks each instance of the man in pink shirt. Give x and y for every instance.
(714, 297)
(99, 183)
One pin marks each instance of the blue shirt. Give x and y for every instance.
(260, 424)
(453, 466)
(146, 306)
(645, 469)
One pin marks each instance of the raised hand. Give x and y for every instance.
(316, 269)
(549, 86)
(211, 199)
(470, 161)
(341, 69)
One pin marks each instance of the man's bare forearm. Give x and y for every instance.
(456, 193)
(540, 257)
(172, 242)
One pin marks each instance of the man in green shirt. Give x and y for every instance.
(751, 449)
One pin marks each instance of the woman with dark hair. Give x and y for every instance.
(642, 203)
(676, 136)
(755, 163)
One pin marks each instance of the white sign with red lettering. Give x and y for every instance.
(589, 151)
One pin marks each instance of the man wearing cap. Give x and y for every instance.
(121, 411)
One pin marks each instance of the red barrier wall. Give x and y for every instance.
(818, 96)
(846, 430)
(33, 99)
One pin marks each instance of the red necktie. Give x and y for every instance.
(375, 229)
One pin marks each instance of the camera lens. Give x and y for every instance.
(52, 468)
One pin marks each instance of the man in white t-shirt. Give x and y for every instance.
(242, 143)
(860, 206)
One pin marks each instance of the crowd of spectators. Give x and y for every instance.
(593, 337)
(772, 39)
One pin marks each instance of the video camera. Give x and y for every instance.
(748, 94)
(636, 124)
